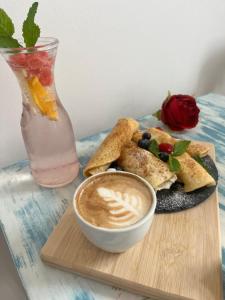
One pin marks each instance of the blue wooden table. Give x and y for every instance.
(28, 213)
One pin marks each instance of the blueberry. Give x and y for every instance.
(146, 135)
(144, 143)
(164, 156)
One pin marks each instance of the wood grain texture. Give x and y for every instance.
(178, 259)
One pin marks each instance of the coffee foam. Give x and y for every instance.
(114, 200)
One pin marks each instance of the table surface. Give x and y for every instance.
(10, 283)
(28, 212)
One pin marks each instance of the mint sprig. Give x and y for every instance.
(201, 162)
(154, 148)
(7, 31)
(174, 164)
(6, 24)
(31, 31)
(180, 147)
(8, 42)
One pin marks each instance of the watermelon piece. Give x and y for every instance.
(34, 62)
(18, 60)
(45, 76)
(37, 64)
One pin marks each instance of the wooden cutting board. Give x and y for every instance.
(179, 258)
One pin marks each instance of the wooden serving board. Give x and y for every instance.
(178, 259)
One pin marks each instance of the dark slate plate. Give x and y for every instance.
(175, 199)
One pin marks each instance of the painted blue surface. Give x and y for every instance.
(83, 295)
(28, 213)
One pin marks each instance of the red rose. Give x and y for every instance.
(179, 112)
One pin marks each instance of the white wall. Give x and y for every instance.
(119, 58)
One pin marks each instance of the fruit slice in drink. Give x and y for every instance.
(43, 99)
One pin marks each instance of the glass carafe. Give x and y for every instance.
(46, 128)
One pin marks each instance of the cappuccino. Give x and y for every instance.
(113, 200)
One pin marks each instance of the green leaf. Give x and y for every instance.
(8, 42)
(154, 148)
(174, 164)
(157, 114)
(200, 161)
(31, 31)
(180, 147)
(6, 24)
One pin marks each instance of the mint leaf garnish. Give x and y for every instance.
(154, 148)
(31, 31)
(201, 162)
(198, 159)
(8, 42)
(174, 164)
(6, 24)
(180, 147)
(6, 31)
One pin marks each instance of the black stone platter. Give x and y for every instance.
(175, 199)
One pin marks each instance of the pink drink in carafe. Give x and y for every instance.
(46, 128)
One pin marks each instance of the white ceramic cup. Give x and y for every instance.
(115, 240)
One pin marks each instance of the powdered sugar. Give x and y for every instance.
(175, 199)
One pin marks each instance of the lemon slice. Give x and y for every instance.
(43, 99)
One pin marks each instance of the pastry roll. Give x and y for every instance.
(143, 163)
(192, 174)
(198, 149)
(110, 148)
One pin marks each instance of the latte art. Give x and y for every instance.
(114, 200)
(124, 209)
